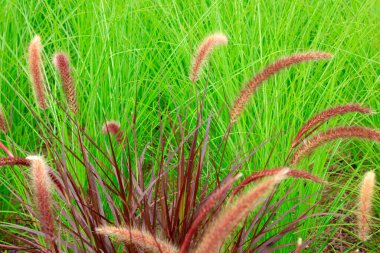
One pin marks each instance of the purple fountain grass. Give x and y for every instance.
(213, 199)
(272, 69)
(41, 184)
(216, 234)
(331, 135)
(367, 190)
(142, 239)
(3, 121)
(271, 172)
(325, 115)
(204, 50)
(62, 63)
(35, 66)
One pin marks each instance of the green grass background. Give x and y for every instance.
(121, 50)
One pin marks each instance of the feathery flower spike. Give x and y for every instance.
(365, 204)
(216, 196)
(333, 134)
(204, 50)
(217, 233)
(35, 66)
(272, 69)
(62, 63)
(41, 184)
(143, 240)
(266, 173)
(328, 114)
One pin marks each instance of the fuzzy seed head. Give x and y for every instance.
(334, 134)
(325, 115)
(269, 71)
(61, 62)
(225, 223)
(41, 184)
(141, 239)
(35, 67)
(204, 51)
(365, 205)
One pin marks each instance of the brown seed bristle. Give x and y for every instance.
(141, 239)
(331, 135)
(3, 122)
(216, 234)
(113, 128)
(41, 184)
(62, 64)
(205, 49)
(367, 190)
(35, 66)
(271, 172)
(328, 114)
(272, 69)
(14, 161)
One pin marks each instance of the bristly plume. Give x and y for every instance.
(204, 50)
(62, 63)
(3, 121)
(214, 198)
(35, 66)
(141, 239)
(272, 69)
(113, 128)
(41, 184)
(14, 161)
(331, 135)
(266, 173)
(323, 116)
(365, 205)
(219, 230)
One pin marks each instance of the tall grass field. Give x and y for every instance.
(189, 126)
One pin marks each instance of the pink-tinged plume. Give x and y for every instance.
(41, 184)
(365, 205)
(62, 63)
(141, 239)
(331, 135)
(204, 51)
(35, 66)
(272, 69)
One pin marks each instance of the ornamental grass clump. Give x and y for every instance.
(165, 195)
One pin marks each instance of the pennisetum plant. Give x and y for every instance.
(159, 198)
